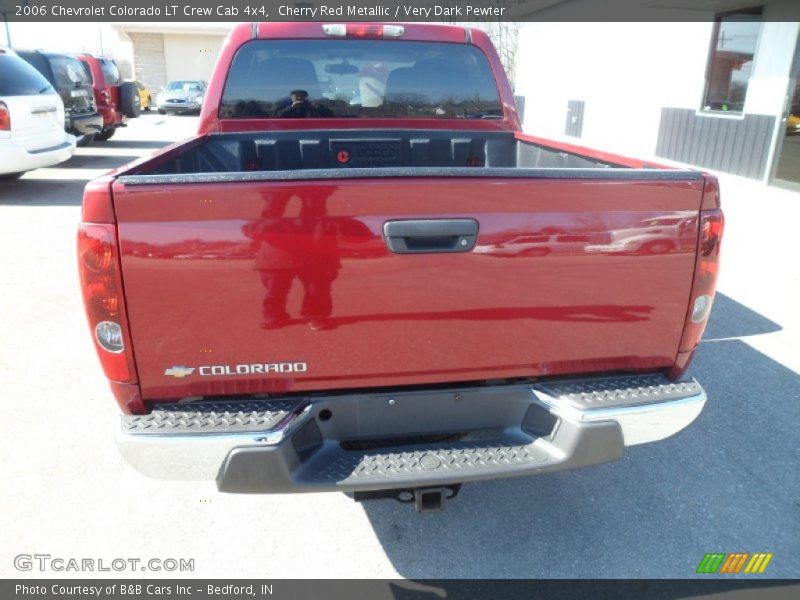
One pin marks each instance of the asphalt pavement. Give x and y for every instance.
(729, 483)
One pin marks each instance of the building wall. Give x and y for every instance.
(622, 72)
(159, 58)
(637, 89)
(191, 56)
(148, 59)
(771, 67)
(739, 145)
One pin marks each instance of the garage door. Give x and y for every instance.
(191, 56)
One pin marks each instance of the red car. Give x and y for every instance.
(117, 100)
(304, 297)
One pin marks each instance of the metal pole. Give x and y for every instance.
(8, 30)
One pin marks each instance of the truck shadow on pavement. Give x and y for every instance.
(732, 319)
(719, 486)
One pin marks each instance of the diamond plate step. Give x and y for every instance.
(466, 458)
(611, 392)
(211, 417)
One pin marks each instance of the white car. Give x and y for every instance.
(181, 96)
(31, 119)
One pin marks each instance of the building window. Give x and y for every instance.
(731, 61)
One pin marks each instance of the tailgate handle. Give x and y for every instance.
(424, 236)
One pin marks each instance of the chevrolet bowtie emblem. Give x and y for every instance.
(179, 371)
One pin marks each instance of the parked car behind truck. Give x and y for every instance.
(362, 337)
(182, 96)
(145, 96)
(66, 74)
(31, 119)
(116, 100)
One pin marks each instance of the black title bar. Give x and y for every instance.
(376, 10)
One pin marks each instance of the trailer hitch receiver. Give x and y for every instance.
(426, 500)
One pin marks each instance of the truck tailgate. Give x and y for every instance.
(269, 286)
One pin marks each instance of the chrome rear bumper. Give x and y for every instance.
(647, 409)
(391, 440)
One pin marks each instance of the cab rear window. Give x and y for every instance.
(18, 78)
(359, 78)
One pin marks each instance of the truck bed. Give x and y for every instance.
(348, 153)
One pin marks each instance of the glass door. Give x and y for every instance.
(788, 157)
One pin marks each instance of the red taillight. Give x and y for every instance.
(711, 225)
(363, 30)
(374, 31)
(5, 117)
(98, 263)
(704, 284)
(101, 284)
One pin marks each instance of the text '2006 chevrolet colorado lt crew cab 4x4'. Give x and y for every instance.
(362, 276)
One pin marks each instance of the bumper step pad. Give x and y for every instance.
(211, 417)
(461, 458)
(612, 392)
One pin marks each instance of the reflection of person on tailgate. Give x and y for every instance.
(304, 247)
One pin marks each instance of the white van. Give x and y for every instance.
(31, 119)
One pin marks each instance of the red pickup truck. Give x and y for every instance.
(362, 276)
